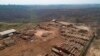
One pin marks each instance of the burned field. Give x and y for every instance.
(54, 38)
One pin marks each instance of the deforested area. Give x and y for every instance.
(53, 38)
(50, 30)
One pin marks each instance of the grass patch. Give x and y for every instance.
(17, 26)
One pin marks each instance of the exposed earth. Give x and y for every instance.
(48, 39)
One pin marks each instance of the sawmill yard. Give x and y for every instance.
(53, 38)
(28, 30)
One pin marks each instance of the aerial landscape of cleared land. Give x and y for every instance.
(50, 30)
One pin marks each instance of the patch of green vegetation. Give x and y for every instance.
(17, 26)
(5, 26)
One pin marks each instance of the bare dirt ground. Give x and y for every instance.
(94, 50)
(39, 41)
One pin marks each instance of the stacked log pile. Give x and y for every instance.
(75, 40)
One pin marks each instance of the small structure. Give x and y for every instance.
(7, 33)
